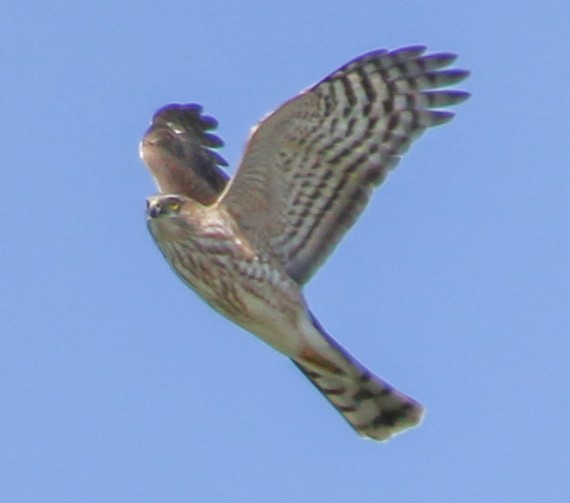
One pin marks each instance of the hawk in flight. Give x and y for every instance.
(248, 245)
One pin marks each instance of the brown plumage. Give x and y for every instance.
(308, 171)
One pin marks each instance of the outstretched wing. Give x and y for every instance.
(310, 167)
(177, 148)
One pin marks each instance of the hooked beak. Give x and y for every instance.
(152, 208)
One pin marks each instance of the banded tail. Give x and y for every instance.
(374, 408)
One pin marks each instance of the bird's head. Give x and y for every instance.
(165, 205)
(176, 217)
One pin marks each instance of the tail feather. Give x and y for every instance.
(374, 408)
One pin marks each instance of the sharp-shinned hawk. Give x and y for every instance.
(248, 246)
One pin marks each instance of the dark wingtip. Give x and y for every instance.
(409, 51)
(187, 119)
(173, 110)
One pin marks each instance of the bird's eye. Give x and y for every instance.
(174, 206)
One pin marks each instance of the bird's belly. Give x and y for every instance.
(278, 327)
(267, 305)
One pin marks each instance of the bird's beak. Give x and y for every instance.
(152, 208)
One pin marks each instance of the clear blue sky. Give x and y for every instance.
(119, 385)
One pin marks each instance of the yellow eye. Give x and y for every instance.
(174, 206)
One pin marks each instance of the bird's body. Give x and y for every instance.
(248, 247)
(210, 254)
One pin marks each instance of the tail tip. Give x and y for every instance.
(391, 422)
